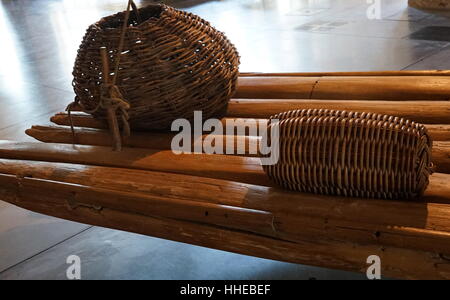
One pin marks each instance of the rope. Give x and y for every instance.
(69, 111)
(112, 98)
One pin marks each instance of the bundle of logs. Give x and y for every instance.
(226, 201)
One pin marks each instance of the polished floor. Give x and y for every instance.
(38, 43)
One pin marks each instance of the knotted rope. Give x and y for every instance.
(111, 99)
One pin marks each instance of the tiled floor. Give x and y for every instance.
(38, 43)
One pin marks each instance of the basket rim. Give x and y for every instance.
(100, 24)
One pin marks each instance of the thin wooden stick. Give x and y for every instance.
(79, 120)
(110, 110)
(105, 65)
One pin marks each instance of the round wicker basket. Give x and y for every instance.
(171, 64)
(351, 154)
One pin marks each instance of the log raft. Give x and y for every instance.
(226, 201)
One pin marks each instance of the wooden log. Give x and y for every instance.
(81, 119)
(441, 156)
(345, 87)
(438, 132)
(241, 145)
(24, 195)
(430, 4)
(436, 112)
(275, 87)
(237, 145)
(426, 112)
(354, 73)
(87, 136)
(228, 167)
(397, 262)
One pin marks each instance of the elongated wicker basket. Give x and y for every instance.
(351, 154)
(172, 63)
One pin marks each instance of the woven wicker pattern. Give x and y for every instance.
(352, 154)
(172, 63)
